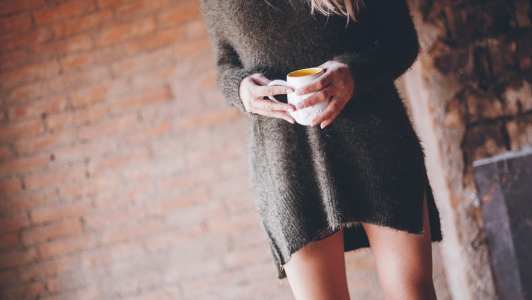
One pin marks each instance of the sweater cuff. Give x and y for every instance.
(229, 79)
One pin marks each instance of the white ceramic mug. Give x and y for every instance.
(298, 79)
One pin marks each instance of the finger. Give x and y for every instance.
(316, 85)
(275, 114)
(272, 105)
(331, 111)
(262, 91)
(318, 97)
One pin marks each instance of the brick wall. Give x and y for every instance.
(122, 170)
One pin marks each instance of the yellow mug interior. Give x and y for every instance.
(305, 72)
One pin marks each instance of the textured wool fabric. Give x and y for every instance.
(368, 164)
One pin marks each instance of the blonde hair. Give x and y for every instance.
(348, 8)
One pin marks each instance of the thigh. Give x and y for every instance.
(403, 260)
(317, 271)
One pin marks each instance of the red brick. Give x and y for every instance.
(13, 59)
(17, 39)
(22, 128)
(87, 77)
(233, 151)
(7, 7)
(9, 241)
(110, 126)
(54, 297)
(46, 214)
(35, 90)
(245, 257)
(54, 177)
(209, 118)
(48, 268)
(190, 47)
(119, 161)
(49, 141)
(52, 285)
(151, 133)
(157, 295)
(192, 179)
(8, 278)
(24, 164)
(65, 10)
(150, 97)
(14, 222)
(88, 293)
(180, 15)
(180, 202)
(74, 155)
(141, 63)
(109, 254)
(127, 31)
(234, 223)
(15, 23)
(67, 245)
(104, 219)
(44, 233)
(122, 198)
(10, 186)
(163, 38)
(98, 93)
(29, 74)
(38, 108)
(73, 26)
(26, 199)
(136, 231)
(17, 258)
(25, 291)
(211, 284)
(150, 80)
(105, 56)
(195, 30)
(241, 203)
(74, 44)
(140, 7)
(229, 187)
(143, 281)
(77, 117)
(92, 186)
(111, 3)
(172, 238)
(208, 81)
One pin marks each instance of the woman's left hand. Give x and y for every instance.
(337, 82)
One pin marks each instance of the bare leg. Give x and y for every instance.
(403, 260)
(317, 271)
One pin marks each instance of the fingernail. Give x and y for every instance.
(299, 93)
(299, 106)
(290, 121)
(289, 91)
(322, 125)
(291, 109)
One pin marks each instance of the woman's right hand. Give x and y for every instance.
(254, 88)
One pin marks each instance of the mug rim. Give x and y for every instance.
(316, 69)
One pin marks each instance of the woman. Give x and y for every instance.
(358, 179)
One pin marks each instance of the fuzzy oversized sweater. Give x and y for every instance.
(368, 164)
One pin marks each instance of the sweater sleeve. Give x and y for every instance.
(230, 71)
(396, 48)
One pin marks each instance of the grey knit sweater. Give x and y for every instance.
(368, 164)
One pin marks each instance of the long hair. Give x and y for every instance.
(348, 8)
